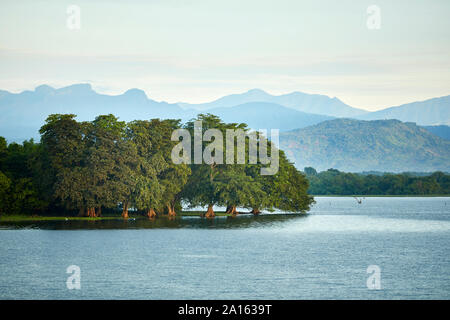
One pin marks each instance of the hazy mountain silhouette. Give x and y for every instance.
(434, 111)
(310, 103)
(24, 113)
(263, 115)
(356, 146)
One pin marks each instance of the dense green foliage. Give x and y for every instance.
(87, 168)
(242, 185)
(18, 188)
(334, 182)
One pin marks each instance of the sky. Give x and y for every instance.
(197, 51)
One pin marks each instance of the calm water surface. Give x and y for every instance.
(323, 255)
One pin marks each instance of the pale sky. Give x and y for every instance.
(197, 51)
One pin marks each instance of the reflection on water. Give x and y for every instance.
(272, 222)
(240, 221)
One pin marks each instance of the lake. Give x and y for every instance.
(323, 255)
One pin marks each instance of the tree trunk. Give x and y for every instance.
(99, 211)
(125, 210)
(210, 212)
(91, 212)
(151, 213)
(255, 211)
(232, 210)
(171, 210)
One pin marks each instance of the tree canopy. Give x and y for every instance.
(241, 184)
(90, 166)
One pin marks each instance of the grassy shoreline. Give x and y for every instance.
(22, 217)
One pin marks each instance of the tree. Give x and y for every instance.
(293, 186)
(215, 182)
(200, 190)
(61, 162)
(5, 183)
(92, 163)
(24, 198)
(241, 184)
(111, 162)
(174, 176)
(18, 192)
(237, 189)
(148, 192)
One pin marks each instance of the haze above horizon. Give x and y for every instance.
(199, 51)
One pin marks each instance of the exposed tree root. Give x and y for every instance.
(171, 211)
(232, 210)
(210, 212)
(125, 211)
(151, 214)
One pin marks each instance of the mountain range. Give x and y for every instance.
(310, 103)
(22, 114)
(431, 112)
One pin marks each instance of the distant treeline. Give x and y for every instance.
(334, 182)
(407, 173)
(107, 165)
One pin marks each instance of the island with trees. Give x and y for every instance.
(107, 166)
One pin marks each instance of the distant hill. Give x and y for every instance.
(263, 115)
(441, 131)
(22, 114)
(310, 103)
(356, 146)
(434, 111)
